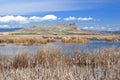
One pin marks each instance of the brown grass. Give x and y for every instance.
(112, 39)
(24, 40)
(21, 60)
(40, 40)
(48, 58)
(50, 40)
(44, 39)
(66, 39)
(73, 40)
(54, 65)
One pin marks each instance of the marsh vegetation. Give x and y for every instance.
(44, 39)
(52, 64)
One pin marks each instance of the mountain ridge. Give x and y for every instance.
(9, 29)
(58, 29)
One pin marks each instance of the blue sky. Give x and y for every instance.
(87, 14)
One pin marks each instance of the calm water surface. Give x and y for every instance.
(68, 48)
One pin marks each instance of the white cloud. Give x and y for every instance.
(79, 18)
(85, 19)
(70, 18)
(49, 17)
(6, 19)
(89, 27)
(34, 18)
(44, 18)
(9, 19)
(85, 27)
(98, 28)
(21, 19)
(24, 20)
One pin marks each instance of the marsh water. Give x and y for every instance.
(67, 48)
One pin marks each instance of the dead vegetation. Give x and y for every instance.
(112, 39)
(73, 40)
(24, 40)
(54, 65)
(28, 40)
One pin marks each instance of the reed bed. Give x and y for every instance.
(52, 64)
(51, 40)
(114, 39)
(98, 37)
(24, 40)
(73, 40)
(106, 38)
(28, 40)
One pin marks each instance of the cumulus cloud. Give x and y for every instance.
(98, 28)
(89, 27)
(85, 19)
(44, 18)
(24, 20)
(79, 18)
(70, 18)
(34, 18)
(85, 27)
(9, 19)
(21, 19)
(49, 17)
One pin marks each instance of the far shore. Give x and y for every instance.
(26, 39)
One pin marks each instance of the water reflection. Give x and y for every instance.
(68, 48)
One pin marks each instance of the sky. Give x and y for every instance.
(87, 14)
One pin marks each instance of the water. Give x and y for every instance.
(68, 48)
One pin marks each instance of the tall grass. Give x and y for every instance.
(114, 39)
(51, 40)
(52, 64)
(24, 40)
(30, 40)
(21, 60)
(73, 40)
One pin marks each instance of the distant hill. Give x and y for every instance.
(103, 32)
(111, 32)
(58, 29)
(8, 29)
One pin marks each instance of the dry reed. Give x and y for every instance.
(24, 40)
(54, 65)
(73, 40)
